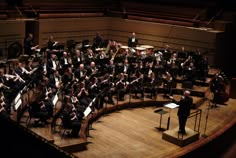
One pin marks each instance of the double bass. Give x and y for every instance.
(218, 87)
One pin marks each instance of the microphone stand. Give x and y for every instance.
(207, 115)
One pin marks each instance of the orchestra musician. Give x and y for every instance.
(51, 44)
(64, 62)
(55, 81)
(95, 92)
(81, 73)
(167, 81)
(77, 59)
(218, 88)
(97, 41)
(29, 45)
(83, 94)
(132, 40)
(120, 86)
(70, 119)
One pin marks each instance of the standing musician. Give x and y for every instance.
(218, 88)
(97, 41)
(29, 46)
(132, 40)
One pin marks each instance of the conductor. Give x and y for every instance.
(185, 104)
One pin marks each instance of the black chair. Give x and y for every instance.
(65, 126)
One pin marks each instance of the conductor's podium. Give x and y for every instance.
(179, 139)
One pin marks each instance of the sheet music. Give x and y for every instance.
(55, 99)
(17, 98)
(87, 111)
(18, 104)
(171, 105)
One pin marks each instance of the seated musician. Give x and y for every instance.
(95, 92)
(107, 88)
(77, 59)
(52, 64)
(22, 73)
(190, 73)
(152, 83)
(120, 86)
(167, 81)
(136, 85)
(39, 110)
(65, 62)
(92, 69)
(89, 56)
(83, 95)
(68, 78)
(81, 73)
(55, 81)
(70, 119)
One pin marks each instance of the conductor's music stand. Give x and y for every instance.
(161, 112)
(170, 106)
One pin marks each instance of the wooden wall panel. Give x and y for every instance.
(11, 31)
(161, 34)
(71, 29)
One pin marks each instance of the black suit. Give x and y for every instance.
(185, 104)
(132, 42)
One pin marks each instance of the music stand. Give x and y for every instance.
(161, 112)
(170, 106)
